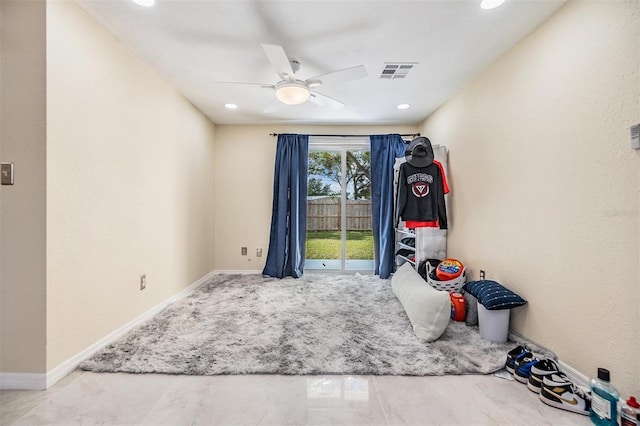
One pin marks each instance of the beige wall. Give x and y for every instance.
(244, 164)
(113, 180)
(545, 184)
(130, 168)
(22, 217)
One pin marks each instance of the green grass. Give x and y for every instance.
(326, 245)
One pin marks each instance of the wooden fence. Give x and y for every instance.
(324, 214)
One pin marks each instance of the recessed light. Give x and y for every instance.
(403, 106)
(491, 4)
(231, 106)
(145, 3)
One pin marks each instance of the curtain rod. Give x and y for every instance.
(349, 136)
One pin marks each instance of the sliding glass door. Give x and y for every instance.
(339, 231)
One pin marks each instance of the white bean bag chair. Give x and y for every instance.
(428, 309)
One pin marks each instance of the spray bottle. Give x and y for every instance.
(629, 412)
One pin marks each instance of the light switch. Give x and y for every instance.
(7, 173)
(635, 136)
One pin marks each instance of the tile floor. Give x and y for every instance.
(129, 399)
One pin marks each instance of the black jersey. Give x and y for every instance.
(420, 194)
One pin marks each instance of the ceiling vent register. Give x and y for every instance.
(396, 69)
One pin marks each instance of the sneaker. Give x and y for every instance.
(511, 357)
(522, 368)
(558, 391)
(539, 370)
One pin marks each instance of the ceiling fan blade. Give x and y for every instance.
(265, 85)
(278, 59)
(325, 101)
(347, 74)
(272, 107)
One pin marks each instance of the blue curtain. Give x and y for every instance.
(384, 151)
(289, 212)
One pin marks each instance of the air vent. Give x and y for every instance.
(393, 70)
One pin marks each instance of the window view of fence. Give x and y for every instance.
(325, 214)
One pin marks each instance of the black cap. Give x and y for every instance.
(419, 153)
(603, 374)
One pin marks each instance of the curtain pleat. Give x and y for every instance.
(384, 151)
(289, 212)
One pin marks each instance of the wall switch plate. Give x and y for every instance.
(243, 251)
(7, 173)
(259, 252)
(635, 136)
(143, 282)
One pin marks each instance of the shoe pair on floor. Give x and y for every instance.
(543, 376)
(520, 360)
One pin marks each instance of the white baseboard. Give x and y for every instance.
(45, 381)
(237, 271)
(23, 381)
(574, 375)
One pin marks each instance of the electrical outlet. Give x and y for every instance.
(243, 251)
(482, 274)
(143, 282)
(259, 252)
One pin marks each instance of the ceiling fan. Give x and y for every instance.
(293, 91)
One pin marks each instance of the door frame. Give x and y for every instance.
(342, 145)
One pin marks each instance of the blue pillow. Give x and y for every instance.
(493, 296)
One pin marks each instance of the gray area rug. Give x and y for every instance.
(318, 324)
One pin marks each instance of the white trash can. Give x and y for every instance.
(494, 325)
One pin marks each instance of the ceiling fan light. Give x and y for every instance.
(292, 92)
(145, 3)
(491, 4)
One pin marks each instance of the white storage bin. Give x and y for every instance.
(452, 286)
(494, 325)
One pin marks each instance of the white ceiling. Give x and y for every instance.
(195, 44)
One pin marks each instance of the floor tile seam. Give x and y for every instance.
(374, 381)
(148, 413)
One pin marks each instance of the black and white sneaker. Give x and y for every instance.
(542, 368)
(512, 355)
(560, 392)
(522, 367)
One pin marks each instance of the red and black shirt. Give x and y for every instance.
(420, 195)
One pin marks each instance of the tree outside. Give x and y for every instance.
(315, 187)
(328, 165)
